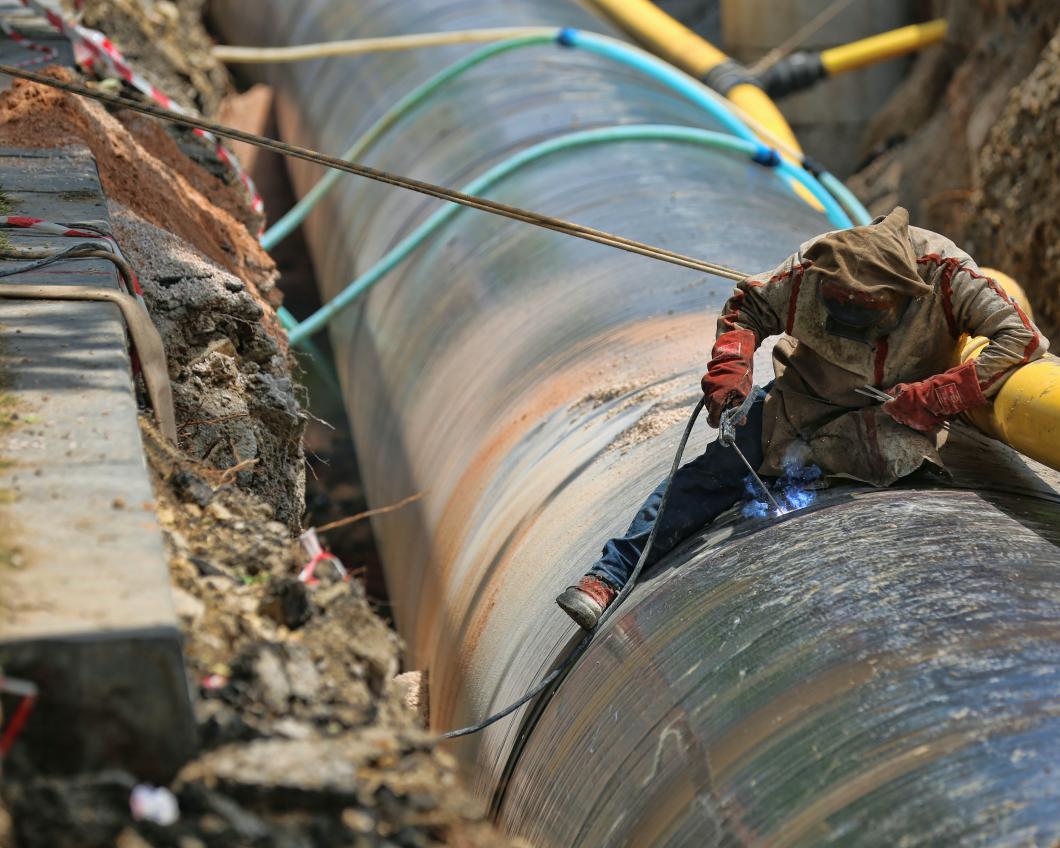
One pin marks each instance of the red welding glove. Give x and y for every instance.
(728, 378)
(925, 405)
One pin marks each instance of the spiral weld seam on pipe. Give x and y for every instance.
(791, 681)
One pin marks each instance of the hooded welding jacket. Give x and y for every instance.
(813, 415)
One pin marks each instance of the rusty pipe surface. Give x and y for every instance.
(885, 663)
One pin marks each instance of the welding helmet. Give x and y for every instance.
(860, 315)
(866, 276)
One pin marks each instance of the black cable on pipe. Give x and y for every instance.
(555, 676)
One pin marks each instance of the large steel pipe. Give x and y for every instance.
(882, 665)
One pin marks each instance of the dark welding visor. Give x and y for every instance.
(859, 315)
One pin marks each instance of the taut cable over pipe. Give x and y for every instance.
(441, 192)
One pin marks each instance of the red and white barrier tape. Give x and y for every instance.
(92, 47)
(48, 53)
(52, 228)
(28, 693)
(317, 554)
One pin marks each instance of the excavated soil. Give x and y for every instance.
(207, 283)
(305, 735)
(1017, 221)
(141, 173)
(968, 143)
(164, 41)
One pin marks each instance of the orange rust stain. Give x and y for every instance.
(636, 352)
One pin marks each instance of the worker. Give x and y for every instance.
(881, 305)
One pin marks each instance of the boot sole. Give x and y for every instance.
(585, 611)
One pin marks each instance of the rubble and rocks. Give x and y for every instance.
(236, 401)
(305, 734)
(968, 143)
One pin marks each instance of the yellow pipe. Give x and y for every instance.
(1025, 414)
(879, 48)
(676, 43)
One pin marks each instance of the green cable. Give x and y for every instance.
(317, 361)
(858, 213)
(303, 332)
(300, 211)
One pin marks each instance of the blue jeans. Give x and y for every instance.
(702, 490)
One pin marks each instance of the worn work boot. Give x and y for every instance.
(586, 602)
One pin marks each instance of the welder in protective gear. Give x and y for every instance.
(881, 305)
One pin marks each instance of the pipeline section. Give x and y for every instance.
(886, 662)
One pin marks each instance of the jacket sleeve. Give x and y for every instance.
(762, 303)
(980, 307)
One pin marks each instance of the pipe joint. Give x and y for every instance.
(726, 75)
(793, 73)
(567, 37)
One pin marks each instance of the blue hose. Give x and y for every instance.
(753, 150)
(609, 48)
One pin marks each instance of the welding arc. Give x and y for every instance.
(555, 676)
(441, 192)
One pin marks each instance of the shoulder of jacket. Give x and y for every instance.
(932, 248)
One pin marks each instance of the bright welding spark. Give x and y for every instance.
(792, 491)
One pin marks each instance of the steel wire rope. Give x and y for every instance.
(298, 333)
(355, 46)
(555, 676)
(730, 116)
(503, 210)
(798, 38)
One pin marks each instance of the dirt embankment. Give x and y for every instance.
(165, 41)
(304, 736)
(208, 285)
(969, 143)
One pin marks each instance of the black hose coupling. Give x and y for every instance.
(792, 73)
(726, 75)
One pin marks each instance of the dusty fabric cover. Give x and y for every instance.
(870, 260)
(813, 415)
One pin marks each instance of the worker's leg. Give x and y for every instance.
(702, 490)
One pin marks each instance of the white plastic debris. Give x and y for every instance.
(154, 804)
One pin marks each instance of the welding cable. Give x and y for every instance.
(758, 153)
(503, 210)
(555, 676)
(730, 116)
(42, 257)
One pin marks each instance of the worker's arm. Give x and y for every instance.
(977, 305)
(981, 308)
(753, 313)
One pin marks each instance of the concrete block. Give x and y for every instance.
(85, 604)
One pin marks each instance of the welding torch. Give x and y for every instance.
(730, 420)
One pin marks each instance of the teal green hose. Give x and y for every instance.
(300, 211)
(846, 197)
(610, 48)
(303, 332)
(317, 361)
